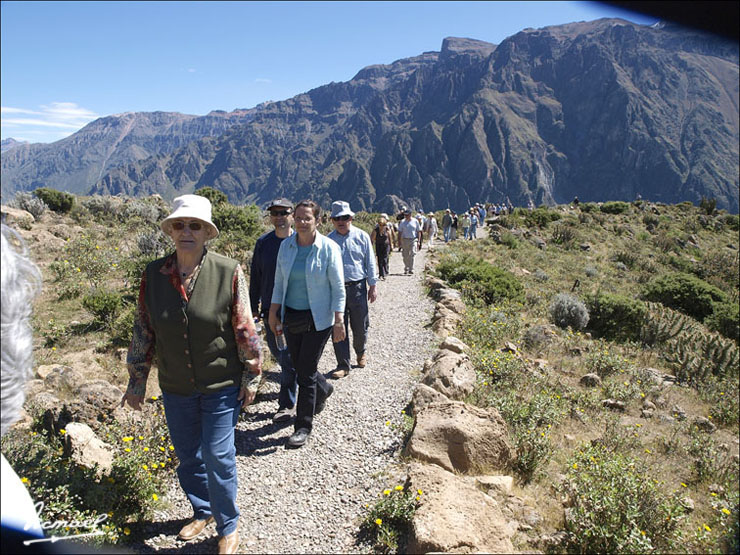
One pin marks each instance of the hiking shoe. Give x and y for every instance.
(194, 528)
(284, 415)
(339, 373)
(362, 360)
(299, 438)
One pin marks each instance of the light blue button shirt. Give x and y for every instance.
(357, 255)
(324, 278)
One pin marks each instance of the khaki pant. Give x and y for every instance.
(408, 250)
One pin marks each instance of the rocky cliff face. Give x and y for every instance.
(77, 162)
(604, 110)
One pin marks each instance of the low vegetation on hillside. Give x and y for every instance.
(640, 456)
(621, 395)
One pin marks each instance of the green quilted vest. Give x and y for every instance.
(195, 342)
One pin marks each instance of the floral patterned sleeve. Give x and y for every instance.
(141, 350)
(248, 341)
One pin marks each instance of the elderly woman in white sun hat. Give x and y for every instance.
(194, 312)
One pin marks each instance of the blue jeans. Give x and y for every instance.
(356, 316)
(473, 233)
(447, 231)
(288, 378)
(202, 431)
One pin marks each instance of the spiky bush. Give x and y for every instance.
(725, 319)
(568, 311)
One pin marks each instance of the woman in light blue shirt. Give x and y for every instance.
(307, 306)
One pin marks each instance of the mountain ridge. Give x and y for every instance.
(604, 110)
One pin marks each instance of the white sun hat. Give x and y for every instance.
(194, 207)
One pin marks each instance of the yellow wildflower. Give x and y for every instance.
(378, 521)
(398, 488)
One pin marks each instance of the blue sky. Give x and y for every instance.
(64, 64)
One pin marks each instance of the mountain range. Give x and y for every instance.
(602, 110)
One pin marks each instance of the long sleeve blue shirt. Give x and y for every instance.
(357, 255)
(324, 278)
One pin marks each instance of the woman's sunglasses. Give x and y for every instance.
(341, 218)
(194, 226)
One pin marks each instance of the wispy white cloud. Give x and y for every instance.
(191, 70)
(262, 80)
(55, 115)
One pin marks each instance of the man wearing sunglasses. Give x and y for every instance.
(360, 277)
(261, 282)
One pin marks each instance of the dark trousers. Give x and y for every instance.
(383, 255)
(305, 351)
(288, 383)
(356, 317)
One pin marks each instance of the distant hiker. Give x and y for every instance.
(473, 233)
(360, 279)
(308, 302)
(399, 218)
(481, 215)
(466, 225)
(382, 238)
(433, 228)
(453, 227)
(576, 202)
(530, 205)
(409, 232)
(447, 225)
(261, 282)
(422, 223)
(194, 314)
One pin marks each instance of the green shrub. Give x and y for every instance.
(239, 228)
(615, 207)
(615, 316)
(725, 319)
(568, 311)
(93, 261)
(508, 239)
(214, 195)
(615, 507)
(121, 328)
(589, 207)
(104, 306)
(732, 221)
(540, 217)
(386, 524)
(605, 362)
(479, 281)
(58, 201)
(686, 293)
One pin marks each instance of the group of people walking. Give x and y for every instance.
(199, 316)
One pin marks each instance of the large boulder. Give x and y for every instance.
(454, 516)
(460, 438)
(450, 373)
(86, 449)
(424, 396)
(453, 344)
(15, 217)
(63, 379)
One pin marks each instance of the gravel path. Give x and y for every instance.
(310, 500)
